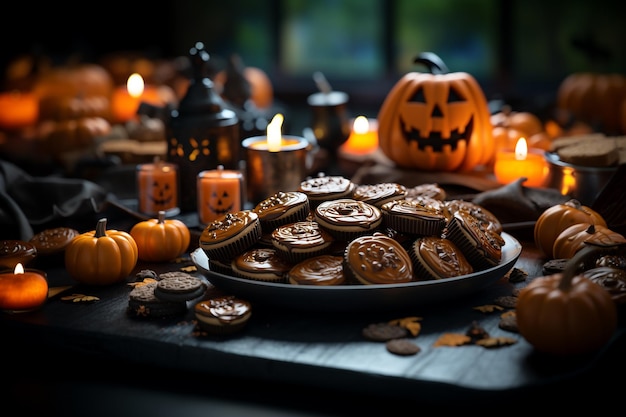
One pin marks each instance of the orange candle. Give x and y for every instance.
(18, 109)
(125, 101)
(157, 185)
(528, 163)
(363, 139)
(219, 192)
(22, 290)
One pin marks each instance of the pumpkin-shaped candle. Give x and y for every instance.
(22, 290)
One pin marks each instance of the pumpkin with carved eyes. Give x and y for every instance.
(436, 121)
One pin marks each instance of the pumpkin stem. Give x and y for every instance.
(161, 218)
(574, 265)
(101, 228)
(432, 61)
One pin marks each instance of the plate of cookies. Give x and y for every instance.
(326, 293)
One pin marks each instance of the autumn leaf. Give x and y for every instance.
(488, 308)
(191, 268)
(452, 339)
(141, 283)
(412, 324)
(494, 342)
(80, 298)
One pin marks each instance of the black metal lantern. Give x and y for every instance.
(203, 132)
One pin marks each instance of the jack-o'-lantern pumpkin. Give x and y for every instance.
(437, 121)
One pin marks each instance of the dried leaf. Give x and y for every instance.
(141, 283)
(191, 268)
(80, 298)
(452, 339)
(508, 313)
(488, 308)
(494, 342)
(412, 324)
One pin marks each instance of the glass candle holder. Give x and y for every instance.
(157, 188)
(268, 172)
(220, 191)
(22, 289)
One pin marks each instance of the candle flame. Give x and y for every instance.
(135, 85)
(19, 269)
(521, 149)
(361, 125)
(274, 133)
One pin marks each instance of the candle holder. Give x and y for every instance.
(202, 133)
(268, 172)
(157, 188)
(220, 191)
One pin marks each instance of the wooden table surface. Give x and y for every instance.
(317, 352)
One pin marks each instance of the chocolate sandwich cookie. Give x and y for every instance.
(142, 303)
(178, 287)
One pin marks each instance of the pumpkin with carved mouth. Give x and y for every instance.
(437, 121)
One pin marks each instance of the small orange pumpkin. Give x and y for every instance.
(577, 236)
(437, 121)
(559, 217)
(238, 83)
(101, 256)
(160, 239)
(509, 126)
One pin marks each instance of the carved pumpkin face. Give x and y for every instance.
(158, 187)
(436, 122)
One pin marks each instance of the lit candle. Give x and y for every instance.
(157, 185)
(22, 290)
(125, 101)
(528, 163)
(18, 109)
(363, 139)
(275, 162)
(219, 192)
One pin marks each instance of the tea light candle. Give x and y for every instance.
(274, 162)
(528, 163)
(363, 139)
(157, 185)
(22, 290)
(125, 101)
(219, 192)
(18, 110)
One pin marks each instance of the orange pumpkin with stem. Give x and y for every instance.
(437, 121)
(160, 239)
(101, 256)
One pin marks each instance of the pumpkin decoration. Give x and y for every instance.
(74, 107)
(509, 126)
(566, 314)
(160, 239)
(101, 257)
(67, 135)
(594, 98)
(575, 237)
(84, 79)
(437, 121)
(559, 217)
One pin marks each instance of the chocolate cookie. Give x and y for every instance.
(142, 303)
(180, 287)
(383, 332)
(402, 347)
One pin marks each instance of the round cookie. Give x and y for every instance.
(377, 259)
(324, 188)
(231, 234)
(435, 258)
(486, 219)
(379, 194)
(13, 252)
(179, 287)
(319, 270)
(413, 217)
(142, 303)
(481, 246)
(51, 243)
(346, 219)
(261, 264)
(300, 240)
(432, 190)
(282, 208)
(222, 315)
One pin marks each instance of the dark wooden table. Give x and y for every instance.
(94, 359)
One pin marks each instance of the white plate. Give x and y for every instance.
(359, 297)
